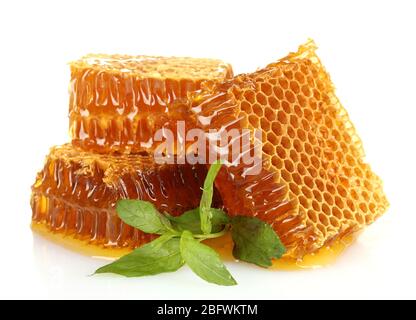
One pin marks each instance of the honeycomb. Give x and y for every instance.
(314, 186)
(76, 192)
(118, 102)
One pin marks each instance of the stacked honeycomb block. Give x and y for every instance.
(76, 192)
(314, 186)
(117, 103)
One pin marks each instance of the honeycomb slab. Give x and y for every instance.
(314, 186)
(76, 192)
(118, 102)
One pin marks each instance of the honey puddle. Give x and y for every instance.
(223, 245)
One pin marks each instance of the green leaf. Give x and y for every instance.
(191, 221)
(160, 255)
(204, 261)
(206, 198)
(142, 215)
(255, 241)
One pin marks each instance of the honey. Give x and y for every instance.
(314, 186)
(118, 103)
(223, 245)
(76, 192)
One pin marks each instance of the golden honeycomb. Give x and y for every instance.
(76, 192)
(118, 102)
(314, 186)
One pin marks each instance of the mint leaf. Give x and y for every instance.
(191, 221)
(160, 255)
(255, 241)
(204, 261)
(142, 215)
(206, 198)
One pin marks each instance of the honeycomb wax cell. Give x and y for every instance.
(314, 186)
(118, 102)
(76, 192)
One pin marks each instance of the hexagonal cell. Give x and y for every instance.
(246, 107)
(312, 216)
(261, 98)
(307, 192)
(317, 195)
(250, 96)
(277, 162)
(254, 121)
(303, 201)
(339, 202)
(307, 180)
(303, 102)
(284, 83)
(286, 107)
(308, 148)
(269, 113)
(281, 152)
(258, 110)
(294, 156)
(265, 125)
(301, 169)
(268, 148)
(289, 165)
(278, 92)
(266, 88)
(316, 94)
(281, 117)
(301, 134)
(342, 191)
(297, 178)
(359, 218)
(306, 91)
(291, 132)
(300, 77)
(329, 198)
(316, 205)
(285, 142)
(298, 145)
(277, 128)
(294, 86)
(363, 207)
(272, 138)
(336, 212)
(305, 160)
(347, 214)
(294, 188)
(288, 74)
(290, 96)
(285, 175)
(306, 125)
(320, 185)
(312, 171)
(334, 222)
(324, 219)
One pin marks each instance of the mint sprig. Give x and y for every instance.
(204, 261)
(206, 198)
(180, 239)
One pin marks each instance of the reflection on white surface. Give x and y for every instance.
(67, 274)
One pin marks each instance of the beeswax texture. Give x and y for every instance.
(118, 102)
(314, 186)
(76, 192)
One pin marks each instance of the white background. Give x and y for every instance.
(367, 46)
